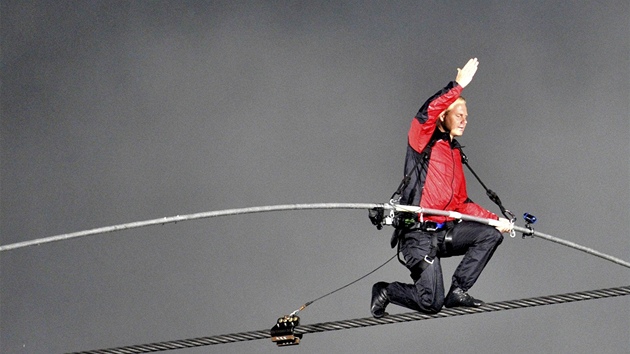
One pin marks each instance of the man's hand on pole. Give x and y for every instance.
(465, 75)
(505, 225)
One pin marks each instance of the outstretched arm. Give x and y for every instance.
(465, 75)
(423, 126)
(471, 208)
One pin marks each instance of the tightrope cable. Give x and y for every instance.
(369, 321)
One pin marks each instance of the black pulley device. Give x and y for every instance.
(283, 333)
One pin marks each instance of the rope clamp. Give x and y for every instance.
(530, 233)
(283, 333)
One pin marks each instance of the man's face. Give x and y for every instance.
(455, 120)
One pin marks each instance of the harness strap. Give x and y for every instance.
(423, 159)
(489, 192)
(416, 272)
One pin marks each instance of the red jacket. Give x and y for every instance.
(438, 183)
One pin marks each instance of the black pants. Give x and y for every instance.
(476, 242)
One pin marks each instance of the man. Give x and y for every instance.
(436, 181)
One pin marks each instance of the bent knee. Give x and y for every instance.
(434, 307)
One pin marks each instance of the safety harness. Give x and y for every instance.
(404, 222)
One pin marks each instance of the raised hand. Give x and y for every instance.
(465, 75)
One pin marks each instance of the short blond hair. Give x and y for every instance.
(459, 100)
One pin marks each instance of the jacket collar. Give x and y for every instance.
(440, 135)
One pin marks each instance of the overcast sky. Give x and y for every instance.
(113, 112)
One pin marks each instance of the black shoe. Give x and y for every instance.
(379, 300)
(457, 298)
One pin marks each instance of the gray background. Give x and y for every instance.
(115, 112)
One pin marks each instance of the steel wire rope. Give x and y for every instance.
(369, 321)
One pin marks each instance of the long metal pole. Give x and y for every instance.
(180, 218)
(284, 207)
(523, 230)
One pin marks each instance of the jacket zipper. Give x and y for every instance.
(452, 180)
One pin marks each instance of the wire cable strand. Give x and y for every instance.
(369, 321)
